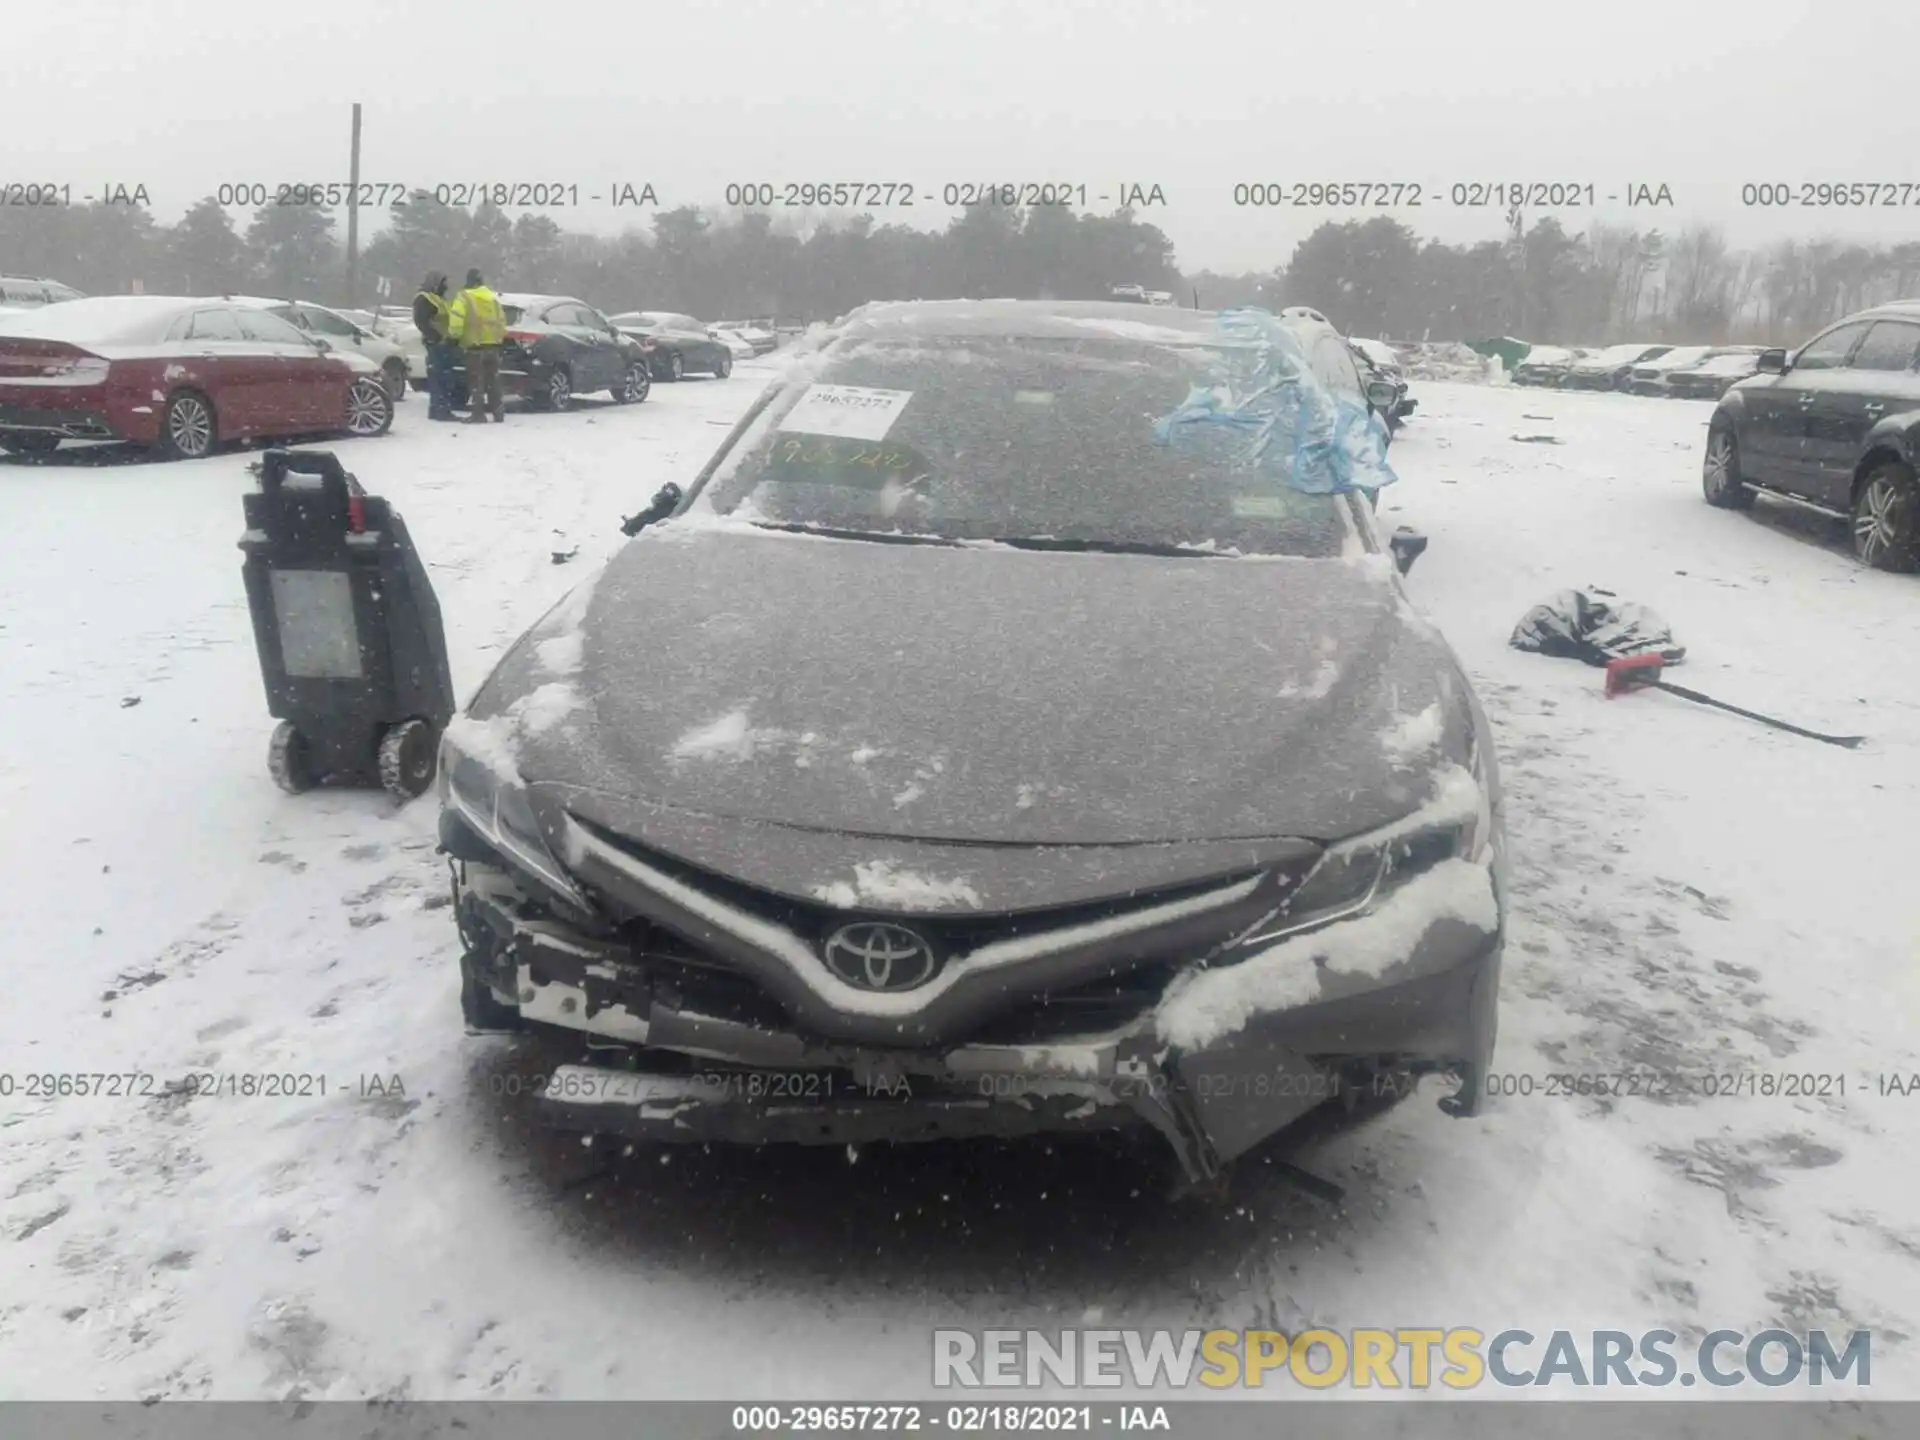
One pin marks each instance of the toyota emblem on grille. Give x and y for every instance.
(876, 956)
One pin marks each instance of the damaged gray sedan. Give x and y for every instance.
(1019, 726)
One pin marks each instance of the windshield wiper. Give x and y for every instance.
(1017, 542)
(1108, 547)
(884, 537)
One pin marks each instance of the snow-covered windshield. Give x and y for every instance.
(1378, 351)
(998, 437)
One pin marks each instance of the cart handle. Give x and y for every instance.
(276, 465)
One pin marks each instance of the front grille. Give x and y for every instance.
(953, 934)
(712, 984)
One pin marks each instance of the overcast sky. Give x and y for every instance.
(1699, 95)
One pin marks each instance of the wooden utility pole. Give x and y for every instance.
(353, 214)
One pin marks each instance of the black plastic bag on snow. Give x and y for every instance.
(1596, 626)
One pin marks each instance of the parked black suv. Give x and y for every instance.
(1834, 425)
(558, 347)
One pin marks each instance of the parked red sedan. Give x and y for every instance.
(175, 374)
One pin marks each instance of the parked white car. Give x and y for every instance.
(1607, 369)
(395, 323)
(761, 339)
(340, 333)
(1649, 377)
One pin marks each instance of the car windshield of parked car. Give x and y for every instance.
(998, 438)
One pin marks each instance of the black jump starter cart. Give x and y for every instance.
(351, 649)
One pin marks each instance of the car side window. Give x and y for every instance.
(593, 318)
(270, 329)
(213, 325)
(1890, 345)
(564, 315)
(56, 293)
(1829, 351)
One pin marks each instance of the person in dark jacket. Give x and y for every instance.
(430, 314)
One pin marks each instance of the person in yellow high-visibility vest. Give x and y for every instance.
(430, 318)
(478, 325)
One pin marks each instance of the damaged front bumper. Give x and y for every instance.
(672, 1065)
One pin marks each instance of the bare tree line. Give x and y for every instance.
(1372, 277)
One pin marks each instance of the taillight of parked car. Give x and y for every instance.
(522, 337)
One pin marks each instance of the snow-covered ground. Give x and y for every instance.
(1693, 893)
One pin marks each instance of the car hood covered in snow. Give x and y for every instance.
(983, 695)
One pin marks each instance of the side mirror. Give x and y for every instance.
(1771, 362)
(322, 346)
(1382, 393)
(662, 505)
(1407, 546)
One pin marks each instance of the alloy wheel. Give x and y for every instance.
(1883, 522)
(1720, 473)
(190, 427)
(369, 408)
(559, 390)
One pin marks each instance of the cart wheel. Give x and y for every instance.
(408, 758)
(289, 761)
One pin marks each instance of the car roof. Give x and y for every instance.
(1892, 310)
(104, 319)
(528, 302)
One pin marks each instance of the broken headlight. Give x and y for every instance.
(494, 805)
(1353, 876)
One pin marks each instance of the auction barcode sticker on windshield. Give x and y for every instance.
(851, 412)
